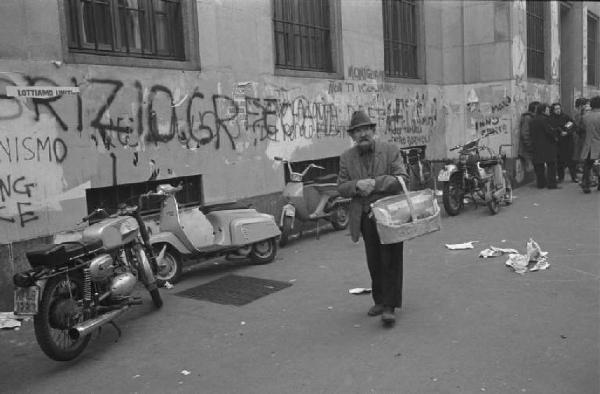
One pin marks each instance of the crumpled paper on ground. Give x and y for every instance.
(520, 262)
(466, 245)
(493, 251)
(359, 290)
(8, 320)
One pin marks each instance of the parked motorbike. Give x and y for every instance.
(74, 288)
(311, 201)
(208, 232)
(476, 178)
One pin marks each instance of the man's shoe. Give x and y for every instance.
(587, 190)
(375, 310)
(388, 316)
(554, 187)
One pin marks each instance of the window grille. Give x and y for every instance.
(535, 39)
(302, 30)
(138, 28)
(592, 33)
(110, 197)
(400, 38)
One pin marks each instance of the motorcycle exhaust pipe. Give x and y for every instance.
(88, 326)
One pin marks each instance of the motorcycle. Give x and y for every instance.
(74, 288)
(207, 232)
(476, 178)
(311, 201)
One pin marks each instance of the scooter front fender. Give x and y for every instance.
(288, 210)
(170, 239)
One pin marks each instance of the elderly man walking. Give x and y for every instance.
(368, 171)
(590, 150)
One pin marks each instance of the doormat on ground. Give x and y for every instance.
(234, 290)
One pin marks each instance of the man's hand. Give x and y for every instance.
(365, 186)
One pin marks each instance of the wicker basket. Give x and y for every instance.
(390, 233)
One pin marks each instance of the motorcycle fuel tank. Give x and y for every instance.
(113, 232)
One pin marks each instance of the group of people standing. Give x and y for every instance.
(554, 142)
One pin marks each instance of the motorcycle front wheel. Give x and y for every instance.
(494, 205)
(60, 310)
(453, 195)
(147, 276)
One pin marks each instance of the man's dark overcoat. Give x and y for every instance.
(386, 165)
(591, 142)
(566, 143)
(544, 139)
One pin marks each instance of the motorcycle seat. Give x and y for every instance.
(488, 162)
(222, 207)
(56, 255)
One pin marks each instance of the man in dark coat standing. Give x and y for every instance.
(525, 145)
(590, 150)
(565, 128)
(369, 171)
(545, 148)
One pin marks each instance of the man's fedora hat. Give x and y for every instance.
(359, 118)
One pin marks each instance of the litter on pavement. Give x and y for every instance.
(466, 245)
(493, 251)
(535, 254)
(168, 285)
(359, 290)
(8, 320)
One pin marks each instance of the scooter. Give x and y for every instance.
(207, 232)
(311, 201)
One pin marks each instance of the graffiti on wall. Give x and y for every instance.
(108, 115)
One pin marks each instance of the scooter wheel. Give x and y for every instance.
(170, 268)
(263, 252)
(286, 230)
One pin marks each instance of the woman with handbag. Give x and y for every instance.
(368, 172)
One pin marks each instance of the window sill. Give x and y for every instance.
(284, 72)
(537, 80)
(124, 61)
(416, 81)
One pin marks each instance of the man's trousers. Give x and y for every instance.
(385, 264)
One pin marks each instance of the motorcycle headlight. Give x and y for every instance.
(463, 159)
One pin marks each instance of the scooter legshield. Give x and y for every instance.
(288, 210)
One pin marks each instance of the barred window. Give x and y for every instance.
(592, 33)
(535, 39)
(400, 38)
(137, 28)
(302, 30)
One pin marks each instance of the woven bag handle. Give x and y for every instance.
(411, 207)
